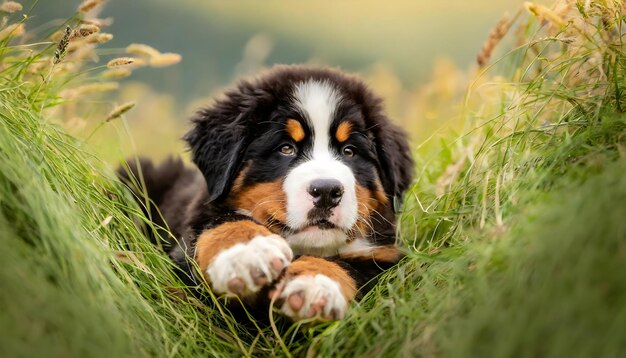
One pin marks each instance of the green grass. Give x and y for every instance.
(515, 230)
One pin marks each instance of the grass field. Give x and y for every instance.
(514, 228)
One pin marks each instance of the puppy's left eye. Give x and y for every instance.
(348, 150)
(288, 150)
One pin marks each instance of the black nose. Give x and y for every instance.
(326, 193)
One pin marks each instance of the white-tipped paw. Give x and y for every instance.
(245, 268)
(316, 296)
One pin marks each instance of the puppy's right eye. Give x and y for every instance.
(288, 150)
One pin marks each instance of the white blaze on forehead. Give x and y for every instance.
(318, 100)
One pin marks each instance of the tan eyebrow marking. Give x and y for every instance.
(295, 130)
(343, 131)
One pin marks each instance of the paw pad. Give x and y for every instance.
(305, 297)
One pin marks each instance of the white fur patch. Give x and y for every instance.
(318, 102)
(239, 260)
(314, 288)
(317, 242)
(359, 246)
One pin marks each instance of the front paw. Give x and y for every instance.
(312, 296)
(243, 269)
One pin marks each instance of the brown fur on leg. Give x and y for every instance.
(213, 241)
(388, 253)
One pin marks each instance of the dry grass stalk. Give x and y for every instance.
(119, 111)
(12, 30)
(61, 49)
(165, 59)
(10, 7)
(139, 62)
(142, 50)
(116, 73)
(89, 5)
(120, 61)
(99, 22)
(99, 38)
(129, 257)
(453, 170)
(85, 30)
(544, 13)
(495, 36)
(106, 221)
(449, 176)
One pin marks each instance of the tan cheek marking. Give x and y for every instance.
(211, 242)
(266, 202)
(368, 201)
(343, 131)
(295, 130)
(381, 254)
(380, 194)
(311, 266)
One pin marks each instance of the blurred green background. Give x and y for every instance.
(414, 53)
(220, 40)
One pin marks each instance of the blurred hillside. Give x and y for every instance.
(414, 54)
(212, 35)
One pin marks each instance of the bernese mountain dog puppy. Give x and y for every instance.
(299, 171)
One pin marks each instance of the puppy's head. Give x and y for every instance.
(308, 153)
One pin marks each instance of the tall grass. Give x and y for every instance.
(514, 230)
(78, 278)
(516, 242)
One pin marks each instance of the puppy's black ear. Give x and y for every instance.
(395, 159)
(220, 136)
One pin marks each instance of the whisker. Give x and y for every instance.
(256, 206)
(382, 216)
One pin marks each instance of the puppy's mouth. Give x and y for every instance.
(314, 225)
(322, 224)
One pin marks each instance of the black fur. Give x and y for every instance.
(164, 193)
